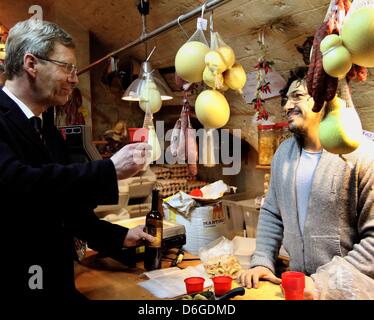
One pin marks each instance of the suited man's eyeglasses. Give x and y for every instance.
(69, 67)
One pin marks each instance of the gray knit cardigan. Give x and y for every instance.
(340, 219)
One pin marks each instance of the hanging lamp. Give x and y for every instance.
(133, 92)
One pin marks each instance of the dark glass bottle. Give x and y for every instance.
(154, 226)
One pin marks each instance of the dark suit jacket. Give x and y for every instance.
(44, 202)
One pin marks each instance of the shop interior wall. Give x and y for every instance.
(107, 105)
(13, 11)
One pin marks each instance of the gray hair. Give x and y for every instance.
(35, 37)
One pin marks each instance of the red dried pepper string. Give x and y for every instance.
(263, 86)
(340, 4)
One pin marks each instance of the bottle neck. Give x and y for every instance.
(155, 200)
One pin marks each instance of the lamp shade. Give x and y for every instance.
(133, 92)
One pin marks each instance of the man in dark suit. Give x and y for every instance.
(46, 202)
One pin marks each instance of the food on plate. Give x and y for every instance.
(223, 265)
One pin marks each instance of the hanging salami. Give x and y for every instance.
(183, 140)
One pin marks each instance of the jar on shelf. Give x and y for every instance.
(266, 144)
(282, 132)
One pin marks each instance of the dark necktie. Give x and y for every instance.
(36, 123)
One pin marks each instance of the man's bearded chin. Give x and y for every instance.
(296, 130)
(298, 135)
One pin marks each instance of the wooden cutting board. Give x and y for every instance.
(265, 291)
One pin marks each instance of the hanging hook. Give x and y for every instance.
(211, 22)
(154, 48)
(203, 8)
(180, 26)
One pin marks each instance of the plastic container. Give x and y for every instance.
(222, 284)
(241, 214)
(282, 133)
(266, 144)
(243, 250)
(293, 284)
(194, 284)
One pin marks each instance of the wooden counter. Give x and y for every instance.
(106, 279)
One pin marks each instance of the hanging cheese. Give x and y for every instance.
(340, 132)
(212, 109)
(153, 141)
(337, 60)
(150, 97)
(235, 78)
(214, 61)
(358, 36)
(189, 61)
(228, 55)
(211, 80)
(209, 157)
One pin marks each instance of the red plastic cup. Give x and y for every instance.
(222, 284)
(138, 134)
(194, 284)
(293, 284)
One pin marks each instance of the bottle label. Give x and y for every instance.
(157, 233)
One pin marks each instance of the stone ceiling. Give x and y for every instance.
(287, 23)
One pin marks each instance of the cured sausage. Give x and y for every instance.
(332, 87)
(181, 152)
(357, 73)
(191, 147)
(320, 85)
(174, 138)
(183, 144)
(316, 74)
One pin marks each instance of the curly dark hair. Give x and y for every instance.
(298, 74)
